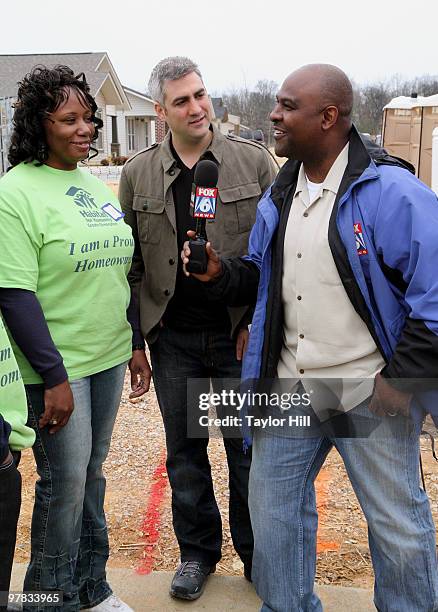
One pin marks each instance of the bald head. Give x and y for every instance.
(331, 86)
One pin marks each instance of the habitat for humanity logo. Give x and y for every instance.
(92, 214)
(81, 197)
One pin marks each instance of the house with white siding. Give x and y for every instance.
(224, 121)
(129, 119)
(136, 126)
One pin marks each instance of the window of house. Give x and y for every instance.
(435, 110)
(131, 134)
(402, 112)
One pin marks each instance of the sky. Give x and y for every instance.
(235, 43)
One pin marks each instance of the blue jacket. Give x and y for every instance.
(383, 235)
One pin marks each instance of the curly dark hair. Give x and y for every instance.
(41, 92)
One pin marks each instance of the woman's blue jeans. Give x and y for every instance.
(384, 471)
(69, 539)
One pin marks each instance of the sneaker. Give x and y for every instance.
(110, 604)
(189, 580)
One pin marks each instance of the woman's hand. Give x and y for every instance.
(141, 373)
(8, 459)
(58, 406)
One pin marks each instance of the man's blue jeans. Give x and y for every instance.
(69, 538)
(384, 471)
(176, 357)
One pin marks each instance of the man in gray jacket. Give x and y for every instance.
(189, 337)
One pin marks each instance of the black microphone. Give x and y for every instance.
(202, 207)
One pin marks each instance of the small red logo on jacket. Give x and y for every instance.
(360, 241)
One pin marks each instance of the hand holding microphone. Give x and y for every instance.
(202, 207)
(214, 266)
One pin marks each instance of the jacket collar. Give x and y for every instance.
(358, 160)
(214, 150)
(358, 157)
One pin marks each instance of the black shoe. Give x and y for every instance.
(247, 568)
(189, 580)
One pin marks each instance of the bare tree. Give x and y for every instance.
(253, 107)
(369, 104)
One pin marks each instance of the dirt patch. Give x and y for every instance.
(137, 451)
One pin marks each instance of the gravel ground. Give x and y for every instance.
(138, 449)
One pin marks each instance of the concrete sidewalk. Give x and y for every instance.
(222, 594)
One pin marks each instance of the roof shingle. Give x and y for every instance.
(14, 67)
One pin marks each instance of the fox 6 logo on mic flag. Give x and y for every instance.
(205, 202)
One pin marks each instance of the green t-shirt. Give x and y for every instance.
(13, 405)
(62, 236)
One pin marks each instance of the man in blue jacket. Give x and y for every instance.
(342, 266)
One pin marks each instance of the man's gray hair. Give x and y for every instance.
(169, 69)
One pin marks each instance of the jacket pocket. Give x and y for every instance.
(150, 218)
(239, 207)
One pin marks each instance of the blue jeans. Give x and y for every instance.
(384, 472)
(176, 357)
(69, 539)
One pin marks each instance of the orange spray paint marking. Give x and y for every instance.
(152, 518)
(322, 484)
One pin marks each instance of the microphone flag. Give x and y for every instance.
(204, 205)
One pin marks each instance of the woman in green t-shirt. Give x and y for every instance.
(64, 296)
